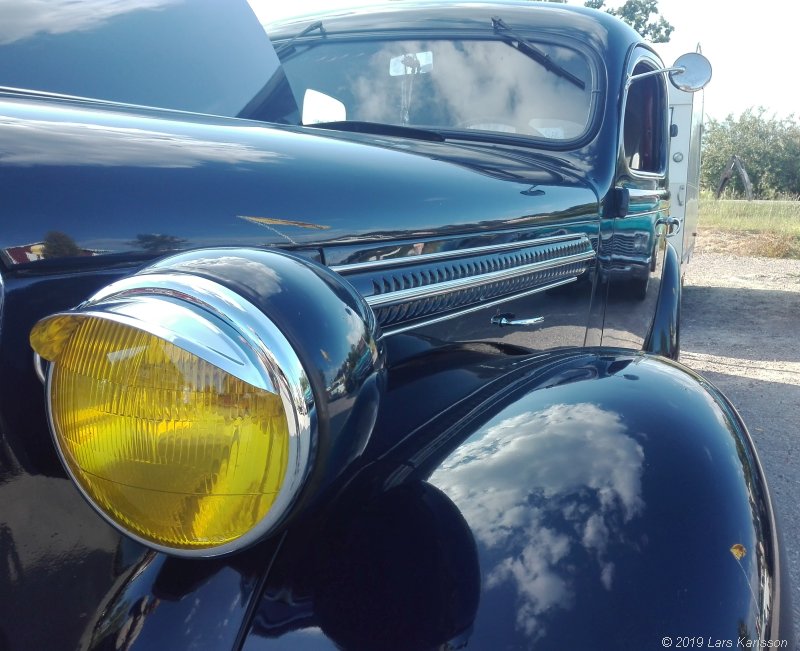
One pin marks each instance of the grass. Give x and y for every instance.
(758, 228)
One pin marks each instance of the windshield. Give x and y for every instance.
(494, 86)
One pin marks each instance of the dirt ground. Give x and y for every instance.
(740, 320)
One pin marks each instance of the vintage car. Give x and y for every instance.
(364, 340)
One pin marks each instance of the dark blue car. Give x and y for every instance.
(361, 336)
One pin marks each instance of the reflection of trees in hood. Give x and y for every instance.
(539, 487)
(155, 242)
(60, 245)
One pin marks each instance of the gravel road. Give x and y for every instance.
(740, 320)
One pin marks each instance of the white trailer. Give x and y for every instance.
(686, 111)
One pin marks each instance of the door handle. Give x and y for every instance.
(673, 224)
(510, 320)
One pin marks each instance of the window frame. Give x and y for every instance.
(644, 57)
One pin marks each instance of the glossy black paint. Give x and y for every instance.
(597, 524)
(58, 551)
(142, 45)
(151, 182)
(162, 601)
(664, 336)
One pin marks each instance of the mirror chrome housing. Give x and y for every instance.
(690, 73)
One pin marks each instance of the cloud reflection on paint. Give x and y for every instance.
(25, 18)
(43, 142)
(540, 486)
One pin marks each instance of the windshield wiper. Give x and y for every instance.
(289, 45)
(532, 51)
(380, 129)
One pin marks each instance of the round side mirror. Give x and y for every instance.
(693, 72)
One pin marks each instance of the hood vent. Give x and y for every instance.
(413, 291)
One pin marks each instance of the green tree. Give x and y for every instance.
(642, 15)
(768, 147)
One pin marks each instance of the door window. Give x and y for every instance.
(644, 139)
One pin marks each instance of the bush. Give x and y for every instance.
(768, 147)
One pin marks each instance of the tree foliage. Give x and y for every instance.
(642, 15)
(768, 147)
(60, 245)
(155, 242)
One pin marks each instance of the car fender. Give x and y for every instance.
(664, 335)
(613, 500)
(617, 503)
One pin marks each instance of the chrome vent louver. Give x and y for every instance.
(411, 291)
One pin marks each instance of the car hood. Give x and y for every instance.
(83, 181)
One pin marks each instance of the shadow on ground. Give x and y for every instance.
(751, 324)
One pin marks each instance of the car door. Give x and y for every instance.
(633, 254)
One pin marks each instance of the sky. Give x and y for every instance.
(751, 47)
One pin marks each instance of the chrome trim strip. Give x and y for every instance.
(639, 261)
(639, 193)
(388, 263)
(644, 213)
(260, 341)
(417, 293)
(40, 368)
(504, 320)
(476, 308)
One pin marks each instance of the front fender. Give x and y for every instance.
(616, 510)
(664, 335)
(610, 502)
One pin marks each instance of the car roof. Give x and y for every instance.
(521, 15)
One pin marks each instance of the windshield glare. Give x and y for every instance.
(485, 85)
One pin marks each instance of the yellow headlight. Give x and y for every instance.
(188, 423)
(175, 449)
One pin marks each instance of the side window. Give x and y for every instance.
(644, 139)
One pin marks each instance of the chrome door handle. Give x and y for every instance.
(669, 222)
(510, 320)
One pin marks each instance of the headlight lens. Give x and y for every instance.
(174, 448)
(181, 411)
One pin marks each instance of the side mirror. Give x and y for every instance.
(319, 107)
(690, 72)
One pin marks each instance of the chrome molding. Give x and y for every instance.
(40, 367)
(389, 263)
(503, 320)
(645, 213)
(413, 291)
(388, 332)
(438, 289)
